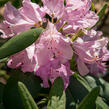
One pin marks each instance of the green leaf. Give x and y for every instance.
(101, 104)
(89, 101)
(104, 91)
(42, 101)
(102, 12)
(70, 102)
(76, 91)
(78, 88)
(104, 85)
(19, 42)
(26, 97)
(11, 93)
(57, 98)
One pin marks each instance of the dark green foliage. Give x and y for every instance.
(26, 97)
(11, 93)
(89, 100)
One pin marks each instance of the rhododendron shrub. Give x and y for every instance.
(67, 50)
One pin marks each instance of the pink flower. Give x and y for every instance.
(5, 30)
(19, 20)
(91, 35)
(54, 7)
(25, 59)
(90, 56)
(53, 53)
(78, 15)
(52, 70)
(49, 56)
(53, 45)
(15, 19)
(78, 6)
(36, 13)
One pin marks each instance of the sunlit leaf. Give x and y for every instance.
(19, 42)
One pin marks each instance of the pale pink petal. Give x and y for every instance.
(36, 14)
(54, 7)
(83, 70)
(11, 14)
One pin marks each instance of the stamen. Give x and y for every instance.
(96, 58)
(57, 21)
(78, 34)
(90, 60)
(60, 29)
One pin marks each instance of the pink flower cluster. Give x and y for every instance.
(49, 57)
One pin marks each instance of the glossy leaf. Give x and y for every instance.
(57, 98)
(26, 97)
(89, 101)
(19, 42)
